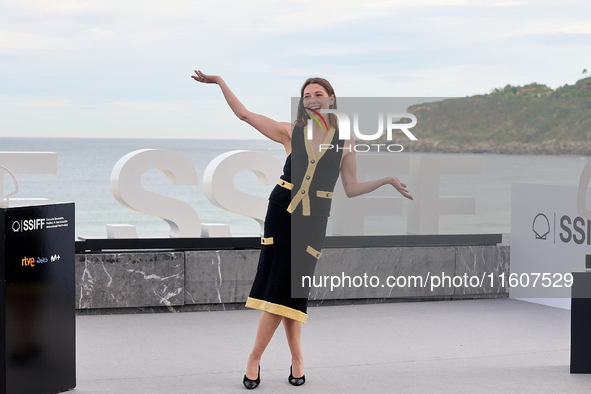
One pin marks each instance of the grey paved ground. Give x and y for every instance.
(476, 346)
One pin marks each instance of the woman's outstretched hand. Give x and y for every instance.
(401, 187)
(200, 77)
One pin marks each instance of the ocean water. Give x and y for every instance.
(85, 165)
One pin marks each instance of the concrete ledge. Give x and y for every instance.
(213, 280)
(487, 262)
(408, 265)
(123, 280)
(217, 277)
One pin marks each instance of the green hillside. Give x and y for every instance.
(532, 113)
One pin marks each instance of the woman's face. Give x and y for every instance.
(315, 97)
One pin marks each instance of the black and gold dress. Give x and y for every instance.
(295, 226)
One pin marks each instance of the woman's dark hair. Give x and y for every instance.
(302, 117)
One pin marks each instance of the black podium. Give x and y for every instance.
(580, 319)
(37, 305)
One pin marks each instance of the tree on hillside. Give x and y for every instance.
(585, 72)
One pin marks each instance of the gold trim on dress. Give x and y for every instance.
(285, 184)
(276, 309)
(322, 194)
(310, 147)
(303, 193)
(267, 241)
(313, 252)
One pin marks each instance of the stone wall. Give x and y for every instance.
(211, 280)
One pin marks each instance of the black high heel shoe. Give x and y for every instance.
(252, 384)
(295, 381)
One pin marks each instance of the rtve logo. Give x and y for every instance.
(27, 225)
(31, 262)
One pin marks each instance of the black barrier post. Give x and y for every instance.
(580, 317)
(38, 327)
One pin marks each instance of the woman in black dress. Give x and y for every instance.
(299, 205)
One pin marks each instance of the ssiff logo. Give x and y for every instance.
(566, 229)
(27, 225)
(541, 226)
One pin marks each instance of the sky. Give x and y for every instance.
(121, 68)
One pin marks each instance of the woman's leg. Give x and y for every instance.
(293, 331)
(268, 323)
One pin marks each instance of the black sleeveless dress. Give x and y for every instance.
(295, 226)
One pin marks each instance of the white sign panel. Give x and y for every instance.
(548, 239)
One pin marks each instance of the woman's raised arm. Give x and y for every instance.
(276, 131)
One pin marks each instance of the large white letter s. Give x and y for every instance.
(127, 188)
(218, 182)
